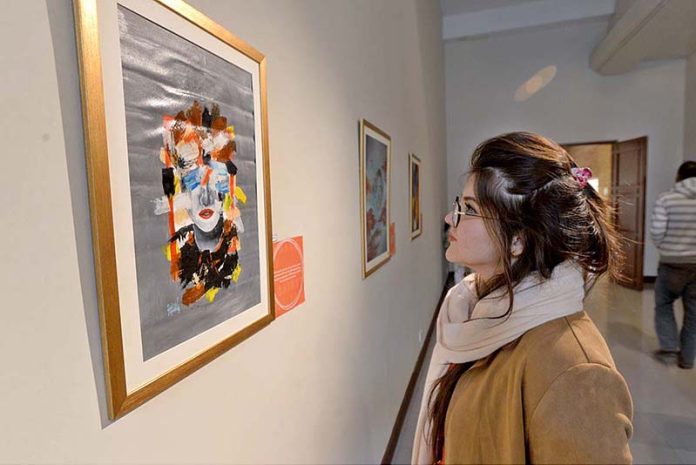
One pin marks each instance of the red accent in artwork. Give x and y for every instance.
(206, 177)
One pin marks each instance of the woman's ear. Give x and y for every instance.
(517, 246)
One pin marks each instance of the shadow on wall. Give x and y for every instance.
(62, 25)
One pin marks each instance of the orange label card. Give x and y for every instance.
(288, 274)
(392, 239)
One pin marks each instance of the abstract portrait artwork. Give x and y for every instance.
(375, 165)
(184, 256)
(200, 199)
(376, 197)
(414, 175)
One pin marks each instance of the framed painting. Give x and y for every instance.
(375, 197)
(176, 139)
(414, 171)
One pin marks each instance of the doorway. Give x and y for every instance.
(619, 176)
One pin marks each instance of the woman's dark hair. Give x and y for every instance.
(525, 188)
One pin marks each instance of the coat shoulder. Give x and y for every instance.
(557, 346)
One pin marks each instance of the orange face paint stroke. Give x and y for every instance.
(206, 177)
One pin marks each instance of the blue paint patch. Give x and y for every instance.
(192, 179)
(218, 168)
(223, 180)
(173, 309)
(223, 186)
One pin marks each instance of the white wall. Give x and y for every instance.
(322, 384)
(620, 8)
(578, 105)
(690, 110)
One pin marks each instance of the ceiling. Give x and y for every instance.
(464, 19)
(456, 7)
(647, 31)
(638, 30)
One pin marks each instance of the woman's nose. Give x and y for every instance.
(206, 196)
(448, 219)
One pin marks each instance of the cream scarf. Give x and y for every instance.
(464, 333)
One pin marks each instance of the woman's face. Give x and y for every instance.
(470, 243)
(206, 206)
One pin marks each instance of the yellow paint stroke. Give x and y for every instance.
(227, 205)
(212, 292)
(239, 193)
(235, 274)
(230, 131)
(167, 251)
(177, 185)
(181, 216)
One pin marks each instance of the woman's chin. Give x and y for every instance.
(452, 258)
(458, 261)
(207, 225)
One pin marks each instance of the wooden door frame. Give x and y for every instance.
(643, 141)
(614, 200)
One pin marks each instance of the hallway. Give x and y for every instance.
(664, 397)
(225, 219)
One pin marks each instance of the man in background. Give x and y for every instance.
(673, 230)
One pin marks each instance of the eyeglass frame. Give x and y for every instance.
(456, 212)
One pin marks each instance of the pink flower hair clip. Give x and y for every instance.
(581, 175)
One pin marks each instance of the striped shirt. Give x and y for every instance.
(673, 225)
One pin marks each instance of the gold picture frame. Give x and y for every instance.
(375, 197)
(414, 194)
(129, 383)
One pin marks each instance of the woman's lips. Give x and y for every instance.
(451, 238)
(206, 213)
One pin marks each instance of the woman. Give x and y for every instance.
(519, 373)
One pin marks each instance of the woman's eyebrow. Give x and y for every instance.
(471, 199)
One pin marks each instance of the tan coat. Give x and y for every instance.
(552, 396)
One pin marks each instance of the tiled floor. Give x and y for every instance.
(664, 397)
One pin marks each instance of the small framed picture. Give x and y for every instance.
(414, 172)
(375, 197)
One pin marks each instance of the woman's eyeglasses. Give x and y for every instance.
(457, 212)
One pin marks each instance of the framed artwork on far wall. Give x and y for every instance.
(375, 196)
(414, 175)
(176, 139)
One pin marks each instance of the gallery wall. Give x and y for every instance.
(578, 105)
(690, 109)
(323, 383)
